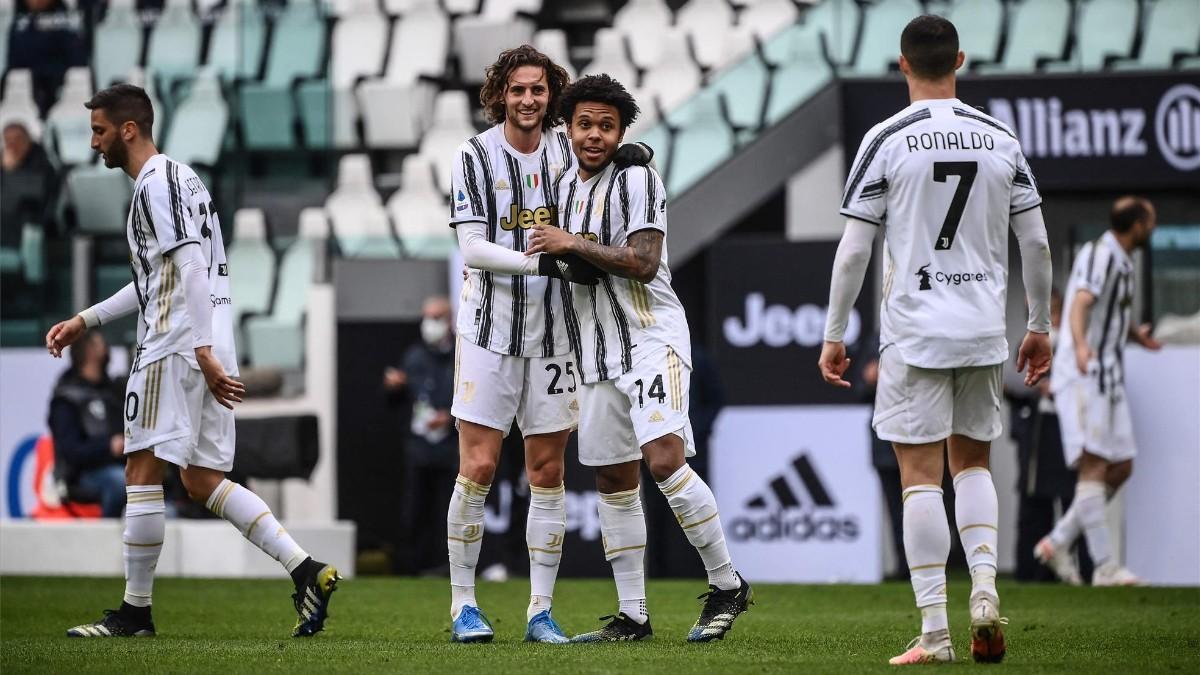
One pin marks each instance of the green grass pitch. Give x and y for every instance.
(401, 625)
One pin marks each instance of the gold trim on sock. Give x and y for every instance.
(700, 522)
(255, 522)
(130, 543)
(671, 490)
(465, 541)
(624, 548)
(967, 527)
(926, 567)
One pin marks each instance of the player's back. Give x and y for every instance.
(944, 179)
(171, 208)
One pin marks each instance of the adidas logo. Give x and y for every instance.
(657, 417)
(781, 489)
(982, 548)
(795, 506)
(503, 185)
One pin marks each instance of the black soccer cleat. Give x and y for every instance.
(620, 629)
(311, 599)
(116, 624)
(721, 608)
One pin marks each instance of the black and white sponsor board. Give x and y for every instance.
(1132, 131)
(798, 497)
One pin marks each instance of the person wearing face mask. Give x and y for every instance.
(425, 381)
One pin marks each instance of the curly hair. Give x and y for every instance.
(495, 84)
(599, 89)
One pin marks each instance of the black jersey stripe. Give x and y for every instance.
(174, 191)
(651, 195)
(601, 368)
(139, 235)
(484, 336)
(617, 311)
(1123, 316)
(875, 189)
(860, 171)
(548, 196)
(1092, 259)
(517, 325)
(984, 120)
(571, 321)
(472, 186)
(1112, 300)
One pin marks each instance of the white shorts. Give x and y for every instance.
(494, 389)
(168, 408)
(621, 415)
(923, 405)
(1096, 422)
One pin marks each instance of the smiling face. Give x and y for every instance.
(526, 98)
(596, 133)
(108, 139)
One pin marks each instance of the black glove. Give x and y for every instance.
(633, 154)
(569, 267)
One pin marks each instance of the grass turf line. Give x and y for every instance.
(392, 624)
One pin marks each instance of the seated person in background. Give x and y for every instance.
(29, 182)
(85, 421)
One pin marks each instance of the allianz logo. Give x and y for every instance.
(781, 325)
(1047, 129)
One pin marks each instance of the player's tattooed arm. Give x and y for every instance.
(638, 260)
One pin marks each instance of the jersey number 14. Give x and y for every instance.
(966, 178)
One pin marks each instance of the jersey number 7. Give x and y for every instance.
(966, 178)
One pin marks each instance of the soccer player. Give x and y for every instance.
(179, 400)
(513, 359)
(633, 353)
(946, 182)
(1088, 383)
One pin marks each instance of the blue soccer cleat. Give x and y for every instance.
(471, 626)
(312, 600)
(542, 628)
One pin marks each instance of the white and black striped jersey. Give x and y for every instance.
(510, 192)
(614, 322)
(1105, 270)
(945, 180)
(172, 208)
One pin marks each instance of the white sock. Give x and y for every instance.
(696, 510)
(927, 545)
(1067, 529)
(545, 529)
(250, 515)
(978, 516)
(464, 534)
(623, 527)
(1090, 498)
(145, 525)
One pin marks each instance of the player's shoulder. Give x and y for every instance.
(483, 140)
(902, 119)
(163, 175)
(643, 178)
(972, 115)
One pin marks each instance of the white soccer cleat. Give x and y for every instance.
(1112, 574)
(1059, 560)
(987, 629)
(940, 651)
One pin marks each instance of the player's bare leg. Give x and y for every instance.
(977, 514)
(315, 581)
(545, 530)
(478, 454)
(926, 545)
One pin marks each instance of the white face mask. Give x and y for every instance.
(434, 331)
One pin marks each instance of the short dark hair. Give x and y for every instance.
(930, 45)
(1129, 210)
(599, 89)
(125, 103)
(491, 94)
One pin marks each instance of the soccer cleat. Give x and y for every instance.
(720, 610)
(471, 626)
(115, 624)
(987, 629)
(1059, 560)
(1112, 574)
(620, 629)
(917, 654)
(542, 628)
(312, 600)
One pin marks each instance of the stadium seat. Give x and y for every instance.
(267, 108)
(736, 44)
(100, 197)
(252, 262)
(18, 104)
(657, 135)
(117, 45)
(553, 43)
(1103, 29)
(702, 141)
(882, 24)
(277, 339)
(419, 211)
(451, 127)
(328, 108)
(706, 23)
(137, 76)
(397, 107)
(69, 124)
(360, 223)
(838, 22)
(767, 17)
(356, 180)
(6, 15)
(642, 22)
(235, 49)
(1043, 27)
(609, 56)
(174, 49)
(674, 76)
(744, 84)
(802, 69)
(401, 7)
(980, 24)
(460, 7)
(1172, 28)
(199, 123)
(480, 38)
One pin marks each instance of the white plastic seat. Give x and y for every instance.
(398, 107)
(356, 212)
(100, 197)
(553, 43)
(418, 211)
(674, 77)
(330, 109)
(642, 22)
(1104, 28)
(239, 36)
(609, 57)
(801, 72)
(702, 142)
(198, 126)
(480, 38)
(252, 265)
(451, 127)
(1043, 27)
(117, 44)
(767, 17)
(18, 104)
(174, 49)
(69, 124)
(882, 26)
(706, 22)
